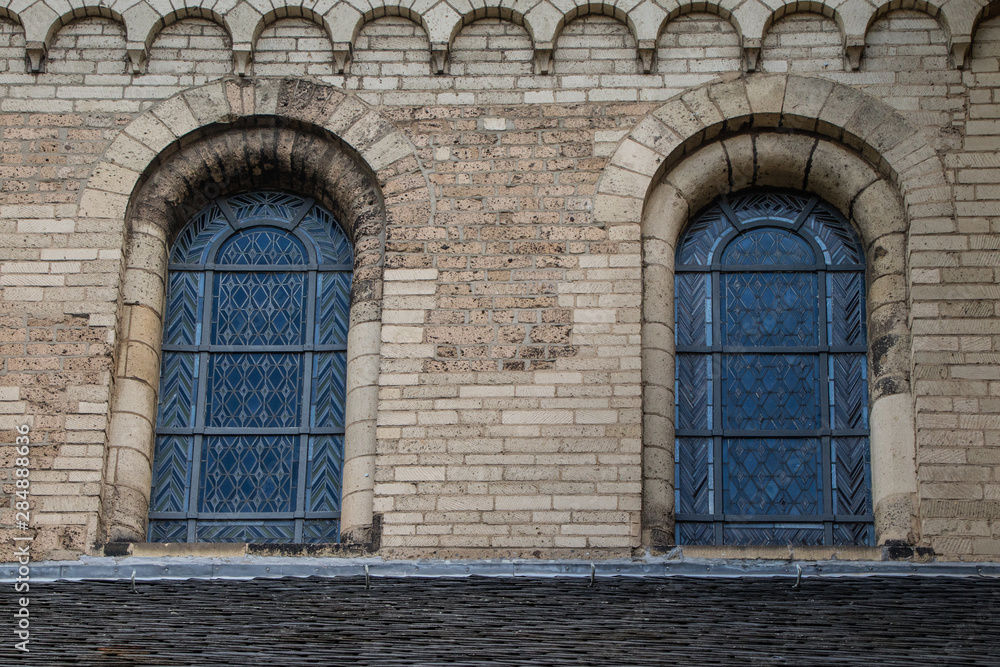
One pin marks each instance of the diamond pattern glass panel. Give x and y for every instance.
(194, 240)
(178, 385)
(694, 391)
(772, 476)
(329, 382)
(853, 534)
(770, 391)
(852, 481)
(332, 241)
(259, 532)
(259, 309)
(693, 309)
(770, 309)
(254, 390)
(263, 246)
(848, 391)
(701, 237)
(846, 304)
(185, 294)
(773, 535)
(696, 533)
(171, 473)
(333, 309)
(248, 474)
(809, 482)
(326, 463)
(694, 475)
(783, 206)
(836, 236)
(275, 296)
(769, 247)
(167, 531)
(265, 206)
(321, 532)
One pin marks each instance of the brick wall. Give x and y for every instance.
(510, 400)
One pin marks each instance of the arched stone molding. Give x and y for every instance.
(221, 138)
(862, 157)
(41, 23)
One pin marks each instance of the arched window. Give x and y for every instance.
(250, 426)
(771, 376)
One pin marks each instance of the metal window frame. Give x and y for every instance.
(205, 349)
(826, 518)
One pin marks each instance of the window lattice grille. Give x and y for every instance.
(250, 427)
(772, 439)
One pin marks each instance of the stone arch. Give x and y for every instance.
(221, 138)
(862, 157)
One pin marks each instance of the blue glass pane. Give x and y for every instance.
(769, 247)
(329, 382)
(693, 388)
(852, 480)
(696, 533)
(259, 309)
(248, 473)
(693, 308)
(323, 475)
(167, 531)
(853, 534)
(265, 206)
(254, 390)
(334, 247)
(766, 205)
(333, 312)
(846, 308)
(326, 531)
(254, 532)
(770, 391)
(835, 236)
(262, 246)
(772, 476)
(763, 309)
(239, 472)
(171, 473)
(185, 298)
(848, 391)
(694, 475)
(192, 243)
(699, 239)
(773, 534)
(178, 388)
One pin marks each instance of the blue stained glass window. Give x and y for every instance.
(771, 380)
(250, 428)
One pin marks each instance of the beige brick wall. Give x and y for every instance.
(509, 415)
(698, 43)
(11, 47)
(801, 43)
(189, 53)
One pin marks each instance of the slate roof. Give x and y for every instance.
(516, 621)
